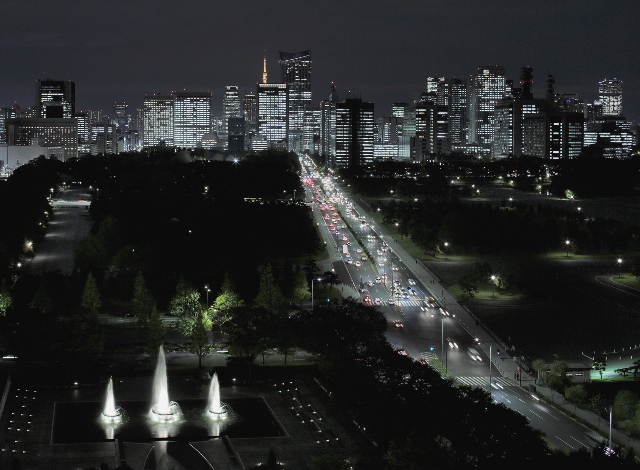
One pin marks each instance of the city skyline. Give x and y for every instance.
(367, 49)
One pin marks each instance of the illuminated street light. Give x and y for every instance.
(619, 267)
(568, 243)
(446, 244)
(207, 290)
(493, 283)
(312, 281)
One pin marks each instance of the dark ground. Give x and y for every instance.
(574, 307)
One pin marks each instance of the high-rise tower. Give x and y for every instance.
(295, 71)
(487, 87)
(610, 94)
(56, 99)
(191, 118)
(157, 117)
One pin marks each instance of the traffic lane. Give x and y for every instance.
(559, 429)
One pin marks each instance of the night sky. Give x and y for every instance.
(380, 51)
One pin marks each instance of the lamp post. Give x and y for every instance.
(444, 351)
(567, 242)
(619, 267)
(312, 281)
(446, 244)
(493, 285)
(207, 290)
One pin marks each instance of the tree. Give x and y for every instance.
(155, 332)
(600, 365)
(301, 292)
(5, 298)
(142, 301)
(557, 376)
(41, 300)
(624, 405)
(469, 285)
(269, 294)
(226, 301)
(91, 296)
(540, 366)
(576, 394)
(331, 278)
(185, 304)
(249, 330)
(199, 342)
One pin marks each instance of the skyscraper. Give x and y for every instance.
(272, 113)
(157, 120)
(610, 94)
(328, 126)
(191, 118)
(295, 71)
(230, 108)
(121, 119)
(487, 87)
(56, 99)
(354, 132)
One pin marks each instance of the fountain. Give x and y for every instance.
(162, 409)
(216, 409)
(111, 413)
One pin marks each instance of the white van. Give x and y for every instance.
(473, 354)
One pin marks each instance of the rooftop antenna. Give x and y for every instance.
(264, 68)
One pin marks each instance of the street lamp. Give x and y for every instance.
(207, 290)
(312, 280)
(619, 267)
(493, 284)
(567, 242)
(446, 244)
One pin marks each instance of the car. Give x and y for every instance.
(444, 311)
(398, 324)
(411, 282)
(367, 299)
(402, 352)
(377, 301)
(452, 343)
(395, 268)
(358, 263)
(349, 260)
(358, 250)
(391, 301)
(363, 258)
(378, 280)
(381, 264)
(474, 354)
(364, 290)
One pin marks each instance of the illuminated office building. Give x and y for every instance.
(157, 120)
(328, 126)
(610, 95)
(250, 113)
(355, 132)
(272, 113)
(60, 136)
(122, 119)
(191, 118)
(487, 88)
(55, 99)
(295, 72)
(230, 108)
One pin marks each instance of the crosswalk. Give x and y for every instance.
(406, 302)
(472, 381)
(483, 382)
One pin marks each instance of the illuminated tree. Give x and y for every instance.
(185, 304)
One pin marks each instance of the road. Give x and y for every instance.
(69, 225)
(429, 323)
